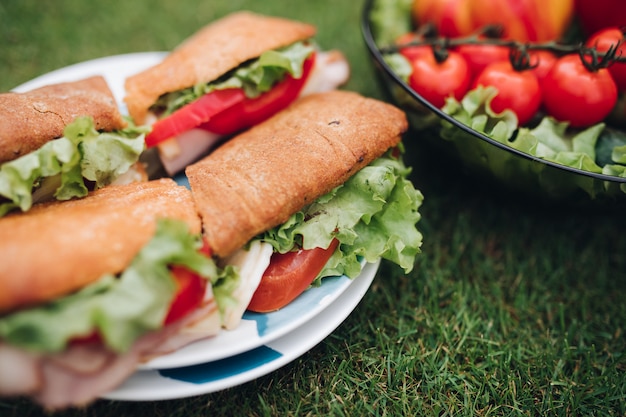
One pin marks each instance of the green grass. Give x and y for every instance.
(513, 309)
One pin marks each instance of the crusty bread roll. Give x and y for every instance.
(59, 247)
(29, 120)
(208, 54)
(258, 179)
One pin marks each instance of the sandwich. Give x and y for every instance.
(230, 75)
(91, 287)
(142, 269)
(62, 140)
(311, 192)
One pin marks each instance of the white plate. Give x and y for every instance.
(167, 384)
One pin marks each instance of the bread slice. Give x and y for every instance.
(59, 247)
(29, 120)
(258, 179)
(208, 54)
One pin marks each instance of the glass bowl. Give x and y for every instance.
(485, 158)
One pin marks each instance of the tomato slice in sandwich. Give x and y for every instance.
(229, 111)
(287, 276)
(190, 289)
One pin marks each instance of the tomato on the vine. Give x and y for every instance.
(413, 51)
(542, 62)
(518, 91)
(436, 81)
(577, 95)
(605, 39)
(478, 56)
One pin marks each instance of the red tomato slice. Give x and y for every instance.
(287, 276)
(193, 114)
(190, 290)
(189, 294)
(229, 111)
(252, 111)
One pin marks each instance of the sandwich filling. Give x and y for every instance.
(69, 350)
(67, 167)
(372, 215)
(187, 123)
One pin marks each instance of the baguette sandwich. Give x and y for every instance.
(228, 76)
(308, 193)
(61, 140)
(91, 287)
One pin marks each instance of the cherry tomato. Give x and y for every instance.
(287, 276)
(229, 111)
(542, 62)
(411, 52)
(574, 94)
(478, 56)
(518, 91)
(435, 81)
(603, 40)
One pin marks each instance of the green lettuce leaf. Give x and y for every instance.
(400, 65)
(550, 139)
(255, 77)
(120, 308)
(81, 154)
(373, 215)
(474, 110)
(390, 19)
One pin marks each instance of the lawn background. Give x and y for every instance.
(513, 308)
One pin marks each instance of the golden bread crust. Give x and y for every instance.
(29, 120)
(258, 179)
(59, 247)
(208, 54)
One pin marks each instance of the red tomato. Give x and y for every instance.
(597, 14)
(193, 114)
(436, 81)
(190, 290)
(189, 294)
(411, 52)
(518, 91)
(603, 40)
(479, 56)
(229, 111)
(543, 61)
(250, 112)
(574, 94)
(287, 276)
